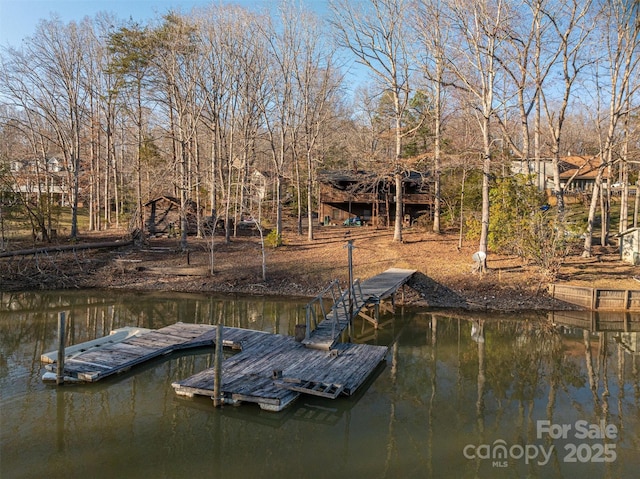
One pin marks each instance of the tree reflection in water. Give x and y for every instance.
(451, 380)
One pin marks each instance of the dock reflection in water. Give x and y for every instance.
(463, 396)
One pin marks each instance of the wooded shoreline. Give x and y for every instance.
(300, 268)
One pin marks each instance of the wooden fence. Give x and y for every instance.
(596, 299)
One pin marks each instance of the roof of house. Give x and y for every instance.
(587, 167)
(335, 177)
(170, 199)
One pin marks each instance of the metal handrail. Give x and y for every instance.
(342, 301)
(354, 295)
(339, 300)
(310, 310)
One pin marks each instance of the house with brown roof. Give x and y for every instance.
(580, 172)
(577, 173)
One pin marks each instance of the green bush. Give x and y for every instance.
(519, 224)
(515, 202)
(273, 239)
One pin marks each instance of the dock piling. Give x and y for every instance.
(351, 291)
(217, 366)
(61, 341)
(300, 332)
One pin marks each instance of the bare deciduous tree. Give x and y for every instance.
(279, 108)
(317, 87)
(473, 60)
(620, 30)
(47, 78)
(433, 31)
(570, 23)
(377, 33)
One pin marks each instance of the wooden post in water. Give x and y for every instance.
(60, 365)
(350, 256)
(217, 367)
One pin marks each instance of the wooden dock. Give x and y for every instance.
(116, 336)
(95, 360)
(271, 370)
(274, 370)
(370, 292)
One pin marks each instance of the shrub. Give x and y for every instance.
(273, 239)
(515, 201)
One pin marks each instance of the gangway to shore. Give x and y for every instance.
(350, 303)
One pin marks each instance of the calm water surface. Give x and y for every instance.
(458, 397)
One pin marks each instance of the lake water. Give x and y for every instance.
(458, 396)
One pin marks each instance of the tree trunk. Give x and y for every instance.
(309, 196)
(588, 240)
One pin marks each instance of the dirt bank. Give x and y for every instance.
(302, 268)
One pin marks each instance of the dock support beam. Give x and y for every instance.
(61, 341)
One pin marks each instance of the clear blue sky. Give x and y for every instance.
(18, 18)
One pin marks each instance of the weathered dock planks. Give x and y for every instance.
(90, 364)
(386, 283)
(116, 336)
(271, 370)
(370, 291)
(276, 370)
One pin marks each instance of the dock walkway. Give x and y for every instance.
(98, 359)
(369, 292)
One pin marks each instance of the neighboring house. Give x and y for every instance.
(163, 216)
(261, 190)
(519, 167)
(37, 177)
(580, 170)
(345, 195)
(583, 170)
(262, 184)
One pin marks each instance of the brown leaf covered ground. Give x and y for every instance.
(301, 268)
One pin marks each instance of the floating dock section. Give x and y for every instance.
(115, 354)
(274, 370)
(271, 370)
